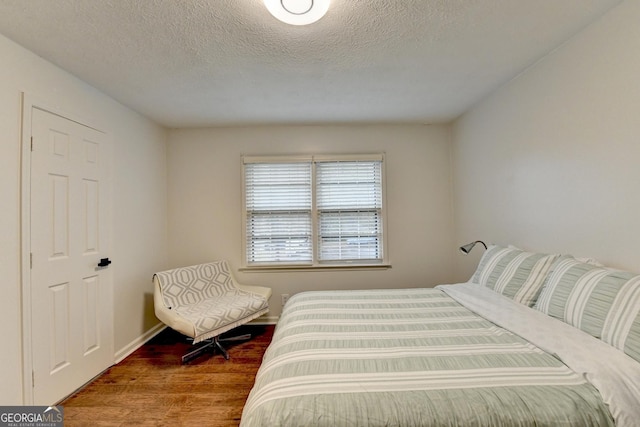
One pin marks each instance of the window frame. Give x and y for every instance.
(315, 263)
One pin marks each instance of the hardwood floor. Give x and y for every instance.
(152, 388)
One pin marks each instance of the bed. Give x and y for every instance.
(514, 346)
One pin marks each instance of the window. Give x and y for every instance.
(313, 211)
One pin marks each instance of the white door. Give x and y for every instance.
(71, 296)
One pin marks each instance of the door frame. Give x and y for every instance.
(28, 104)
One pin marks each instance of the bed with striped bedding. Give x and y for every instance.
(412, 357)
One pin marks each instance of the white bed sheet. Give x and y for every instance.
(613, 373)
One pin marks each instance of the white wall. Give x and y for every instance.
(205, 206)
(550, 162)
(139, 194)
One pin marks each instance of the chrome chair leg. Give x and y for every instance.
(220, 348)
(236, 338)
(211, 345)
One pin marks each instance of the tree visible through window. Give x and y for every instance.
(314, 210)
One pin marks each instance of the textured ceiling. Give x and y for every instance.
(226, 62)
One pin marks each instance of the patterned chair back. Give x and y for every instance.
(188, 285)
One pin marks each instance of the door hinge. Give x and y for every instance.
(31, 143)
(31, 260)
(33, 378)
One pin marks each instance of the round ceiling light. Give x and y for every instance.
(297, 12)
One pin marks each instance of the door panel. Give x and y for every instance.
(90, 215)
(59, 313)
(91, 305)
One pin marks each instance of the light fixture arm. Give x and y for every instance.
(467, 248)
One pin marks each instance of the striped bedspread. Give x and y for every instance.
(412, 357)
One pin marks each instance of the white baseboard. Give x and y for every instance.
(138, 342)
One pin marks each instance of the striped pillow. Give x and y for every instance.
(602, 302)
(514, 273)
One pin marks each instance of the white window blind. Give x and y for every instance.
(322, 211)
(349, 208)
(278, 209)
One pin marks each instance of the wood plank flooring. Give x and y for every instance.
(152, 388)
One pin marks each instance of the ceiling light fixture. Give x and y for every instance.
(297, 12)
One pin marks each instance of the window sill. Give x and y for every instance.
(283, 268)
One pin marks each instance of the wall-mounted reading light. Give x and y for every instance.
(467, 248)
(298, 12)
